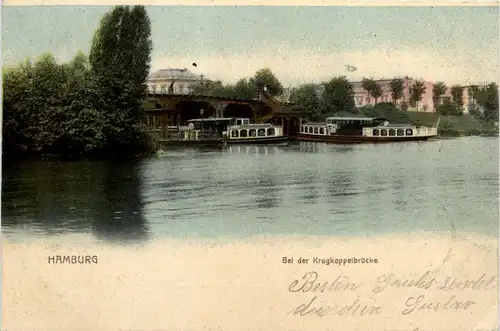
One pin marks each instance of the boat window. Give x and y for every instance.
(321, 131)
(392, 132)
(409, 132)
(247, 121)
(270, 132)
(238, 122)
(310, 129)
(375, 132)
(383, 132)
(243, 133)
(253, 133)
(234, 133)
(329, 122)
(316, 129)
(262, 132)
(401, 132)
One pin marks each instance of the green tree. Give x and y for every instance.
(448, 108)
(306, 97)
(368, 84)
(397, 88)
(457, 94)
(376, 92)
(243, 89)
(438, 89)
(120, 61)
(487, 98)
(338, 95)
(416, 93)
(266, 78)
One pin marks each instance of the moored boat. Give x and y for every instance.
(246, 133)
(356, 130)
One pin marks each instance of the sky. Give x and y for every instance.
(457, 45)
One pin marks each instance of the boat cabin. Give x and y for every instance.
(254, 131)
(364, 126)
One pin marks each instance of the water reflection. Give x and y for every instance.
(55, 197)
(303, 188)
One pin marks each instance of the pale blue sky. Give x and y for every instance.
(301, 44)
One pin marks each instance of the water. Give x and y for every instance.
(306, 188)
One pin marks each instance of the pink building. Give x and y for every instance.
(362, 98)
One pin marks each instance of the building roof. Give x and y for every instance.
(173, 74)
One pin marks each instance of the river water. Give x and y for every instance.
(244, 191)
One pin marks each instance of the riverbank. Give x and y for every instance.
(253, 284)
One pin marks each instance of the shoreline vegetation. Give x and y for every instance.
(91, 107)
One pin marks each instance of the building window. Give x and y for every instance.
(163, 88)
(270, 132)
(243, 133)
(392, 132)
(409, 132)
(253, 133)
(375, 132)
(262, 132)
(383, 132)
(321, 131)
(234, 134)
(401, 132)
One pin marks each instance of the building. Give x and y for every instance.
(362, 98)
(180, 80)
(426, 104)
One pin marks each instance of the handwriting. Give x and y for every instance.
(419, 303)
(353, 309)
(452, 283)
(310, 283)
(390, 280)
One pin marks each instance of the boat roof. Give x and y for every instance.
(356, 118)
(394, 125)
(211, 119)
(252, 126)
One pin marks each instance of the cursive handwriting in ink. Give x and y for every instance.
(419, 303)
(391, 280)
(310, 283)
(482, 283)
(355, 308)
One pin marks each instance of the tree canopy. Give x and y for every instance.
(87, 106)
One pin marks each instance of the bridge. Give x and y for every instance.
(164, 113)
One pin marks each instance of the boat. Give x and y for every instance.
(357, 130)
(227, 130)
(245, 133)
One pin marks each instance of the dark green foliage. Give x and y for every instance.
(81, 108)
(376, 92)
(265, 77)
(397, 88)
(245, 88)
(416, 92)
(449, 108)
(438, 90)
(338, 95)
(306, 98)
(487, 98)
(457, 93)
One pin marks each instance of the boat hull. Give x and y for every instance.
(348, 139)
(187, 143)
(265, 140)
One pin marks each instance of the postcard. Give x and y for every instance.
(314, 167)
